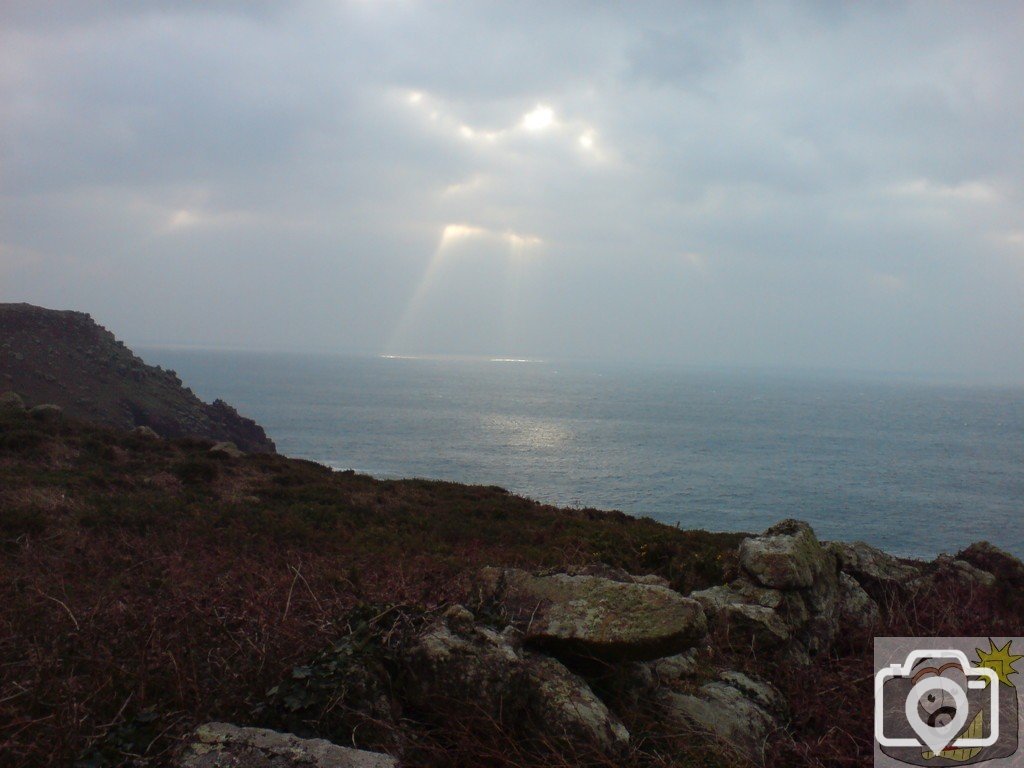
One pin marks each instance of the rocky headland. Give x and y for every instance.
(66, 359)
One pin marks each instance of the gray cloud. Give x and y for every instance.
(793, 185)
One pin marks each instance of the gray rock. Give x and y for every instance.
(673, 668)
(763, 694)
(737, 711)
(11, 402)
(786, 597)
(786, 556)
(612, 573)
(227, 449)
(1008, 570)
(146, 432)
(569, 710)
(871, 567)
(453, 657)
(48, 412)
(595, 617)
(717, 598)
(947, 569)
(221, 745)
(745, 611)
(761, 625)
(856, 611)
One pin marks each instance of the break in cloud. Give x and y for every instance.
(789, 184)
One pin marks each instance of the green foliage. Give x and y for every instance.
(343, 690)
(131, 737)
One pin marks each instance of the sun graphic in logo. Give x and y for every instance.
(999, 660)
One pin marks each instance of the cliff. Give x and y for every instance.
(66, 358)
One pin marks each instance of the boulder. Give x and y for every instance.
(1008, 570)
(737, 710)
(736, 611)
(762, 693)
(673, 668)
(632, 683)
(221, 745)
(145, 432)
(592, 617)
(786, 556)
(856, 611)
(786, 597)
(456, 658)
(947, 570)
(875, 570)
(227, 449)
(48, 412)
(11, 402)
(569, 710)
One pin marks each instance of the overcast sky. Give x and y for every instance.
(789, 185)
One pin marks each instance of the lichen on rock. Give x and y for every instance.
(583, 616)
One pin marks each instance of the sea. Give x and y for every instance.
(915, 468)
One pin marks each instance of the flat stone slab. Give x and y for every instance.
(222, 745)
(584, 616)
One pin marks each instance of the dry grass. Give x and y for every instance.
(146, 587)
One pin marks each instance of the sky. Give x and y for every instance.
(784, 185)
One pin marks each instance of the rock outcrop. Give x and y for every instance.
(857, 611)
(227, 449)
(637, 628)
(738, 711)
(66, 359)
(221, 745)
(457, 657)
(593, 617)
(1008, 570)
(790, 596)
(877, 571)
(947, 570)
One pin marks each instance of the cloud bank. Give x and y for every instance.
(796, 185)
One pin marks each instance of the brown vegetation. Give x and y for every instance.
(147, 586)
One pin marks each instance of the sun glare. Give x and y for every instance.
(521, 242)
(540, 118)
(458, 231)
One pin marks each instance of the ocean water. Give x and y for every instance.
(913, 468)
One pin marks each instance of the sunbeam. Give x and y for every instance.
(513, 247)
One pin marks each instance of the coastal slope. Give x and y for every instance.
(66, 358)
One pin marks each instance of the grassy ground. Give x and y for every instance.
(147, 587)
